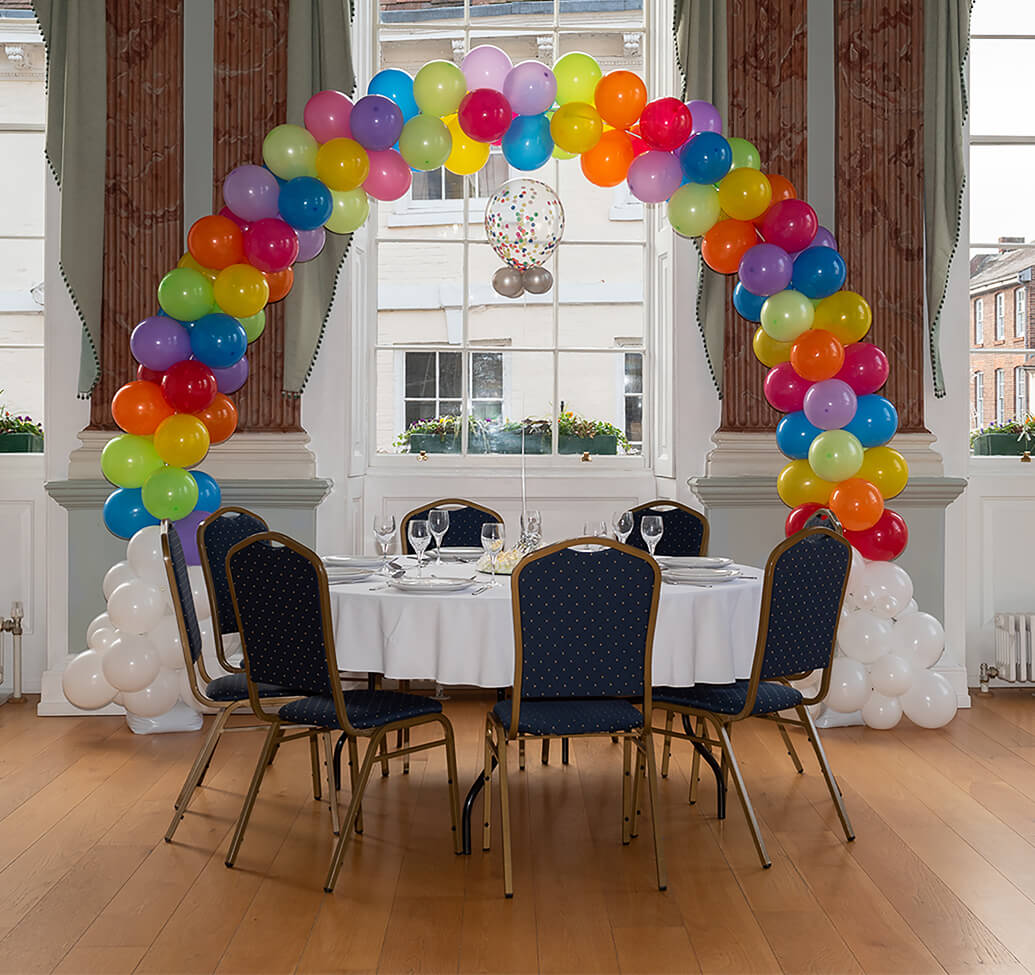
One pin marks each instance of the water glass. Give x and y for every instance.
(384, 532)
(438, 524)
(651, 528)
(595, 529)
(420, 536)
(622, 523)
(493, 536)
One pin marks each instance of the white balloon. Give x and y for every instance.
(144, 553)
(84, 684)
(931, 701)
(864, 636)
(166, 638)
(911, 607)
(856, 589)
(199, 592)
(891, 674)
(158, 697)
(102, 640)
(889, 586)
(920, 638)
(849, 685)
(135, 606)
(131, 663)
(119, 573)
(188, 698)
(881, 712)
(98, 623)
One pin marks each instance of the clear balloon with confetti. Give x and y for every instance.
(524, 221)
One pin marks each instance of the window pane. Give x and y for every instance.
(487, 375)
(449, 407)
(525, 321)
(1000, 203)
(998, 103)
(419, 293)
(420, 410)
(525, 396)
(601, 296)
(634, 418)
(1002, 17)
(449, 380)
(596, 212)
(633, 373)
(427, 186)
(420, 374)
(592, 389)
(21, 166)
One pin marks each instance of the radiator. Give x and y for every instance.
(1015, 646)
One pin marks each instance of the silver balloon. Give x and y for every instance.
(537, 280)
(507, 282)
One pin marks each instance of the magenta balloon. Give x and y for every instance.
(865, 369)
(486, 66)
(251, 192)
(830, 404)
(310, 243)
(159, 342)
(376, 122)
(705, 116)
(484, 114)
(530, 87)
(654, 176)
(390, 175)
(766, 269)
(792, 224)
(230, 215)
(326, 115)
(270, 245)
(187, 529)
(232, 378)
(785, 389)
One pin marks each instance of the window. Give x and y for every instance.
(1020, 313)
(978, 412)
(432, 384)
(440, 184)
(1020, 398)
(1000, 317)
(979, 322)
(633, 393)
(1000, 395)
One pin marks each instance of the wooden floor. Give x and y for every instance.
(941, 877)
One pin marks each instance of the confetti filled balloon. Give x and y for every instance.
(524, 221)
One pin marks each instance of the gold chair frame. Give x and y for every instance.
(667, 503)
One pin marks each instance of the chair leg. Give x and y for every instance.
(634, 811)
(731, 767)
(666, 749)
(353, 772)
(695, 765)
(546, 751)
(384, 761)
(337, 761)
(454, 784)
(272, 739)
(652, 789)
(521, 754)
(332, 791)
(487, 787)
(790, 749)
(314, 759)
(508, 868)
(197, 770)
(564, 751)
(626, 790)
(821, 756)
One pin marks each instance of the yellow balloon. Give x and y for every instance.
(798, 484)
(350, 211)
(576, 127)
(188, 260)
(886, 469)
(467, 156)
(845, 314)
(182, 440)
(342, 164)
(745, 193)
(768, 351)
(241, 291)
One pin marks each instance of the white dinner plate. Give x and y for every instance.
(353, 561)
(694, 561)
(335, 577)
(458, 553)
(701, 576)
(430, 584)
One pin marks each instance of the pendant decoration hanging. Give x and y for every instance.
(524, 222)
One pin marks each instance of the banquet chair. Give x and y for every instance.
(280, 597)
(584, 616)
(465, 522)
(686, 530)
(804, 588)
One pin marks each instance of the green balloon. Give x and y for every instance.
(254, 325)
(438, 88)
(185, 294)
(351, 208)
(290, 151)
(577, 76)
(170, 492)
(835, 455)
(693, 209)
(425, 142)
(128, 460)
(745, 155)
(786, 315)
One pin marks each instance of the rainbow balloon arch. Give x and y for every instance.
(321, 175)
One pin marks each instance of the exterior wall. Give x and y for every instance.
(1007, 353)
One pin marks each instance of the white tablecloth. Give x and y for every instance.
(455, 638)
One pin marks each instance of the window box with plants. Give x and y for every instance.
(1004, 439)
(441, 435)
(19, 434)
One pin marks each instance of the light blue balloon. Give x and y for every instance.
(818, 272)
(209, 495)
(125, 514)
(794, 435)
(748, 304)
(527, 144)
(398, 86)
(875, 421)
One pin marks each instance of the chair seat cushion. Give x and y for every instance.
(366, 709)
(730, 698)
(234, 687)
(571, 716)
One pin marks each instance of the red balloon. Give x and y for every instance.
(270, 245)
(796, 519)
(189, 386)
(484, 114)
(790, 224)
(665, 124)
(785, 389)
(886, 540)
(149, 375)
(865, 369)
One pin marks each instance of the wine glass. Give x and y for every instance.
(420, 536)
(622, 523)
(531, 529)
(595, 529)
(651, 528)
(384, 532)
(493, 536)
(438, 524)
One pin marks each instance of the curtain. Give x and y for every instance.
(700, 31)
(74, 35)
(946, 41)
(319, 57)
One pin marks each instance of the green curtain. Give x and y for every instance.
(946, 42)
(74, 34)
(700, 31)
(319, 57)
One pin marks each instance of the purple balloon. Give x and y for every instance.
(705, 116)
(187, 529)
(376, 122)
(766, 269)
(830, 404)
(232, 378)
(530, 87)
(159, 342)
(654, 176)
(251, 192)
(824, 238)
(310, 243)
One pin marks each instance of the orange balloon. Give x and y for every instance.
(726, 243)
(607, 163)
(817, 355)
(857, 503)
(139, 406)
(216, 242)
(620, 98)
(280, 282)
(220, 417)
(783, 188)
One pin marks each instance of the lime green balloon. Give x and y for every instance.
(170, 492)
(254, 325)
(786, 315)
(128, 460)
(438, 88)
(693, 209)
(425, 142)
(351, 208)
(745, 155)
(290, 151)
(835, 455)
(185, 294)
(577, 76)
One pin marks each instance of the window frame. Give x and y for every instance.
(1020, 312)
(999, 378)
(999, 334)
(979, 321)
(1020, 393)
(978, 385)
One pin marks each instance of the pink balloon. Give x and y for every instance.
(829, 404)
(326, 115)
(390, 175)
(486, 66)
(785, 389)
(865, 369)
(654, 176)
(790, 224)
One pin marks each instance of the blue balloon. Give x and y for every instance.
(218, 340)
(398, 86)
(125, 514)
(748, 304)
(305, 203)
(209, 495)
(527, 143)
(706, 158)
(818, 272)
(794, 435)
(875, 420)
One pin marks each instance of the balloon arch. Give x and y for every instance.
(321, 176)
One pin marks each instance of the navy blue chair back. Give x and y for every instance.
(217, 534)
(583, 621)
(179, 587)
(686, 530)
(465, 522)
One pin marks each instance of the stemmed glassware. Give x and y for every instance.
(384, 532)
(438, 524)
(531, 530)
(420, 536)
(623, 524)
(493, 536)
(651, 528)
(595, 529)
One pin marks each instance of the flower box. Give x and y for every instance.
(509, 442)
(1002, 444)
(602, 443)
(432, 443)
(20, 443)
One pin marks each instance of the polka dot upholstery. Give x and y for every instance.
(683, 534)
(465, 525)
(217, 538)
(571, 717)
(234, 687)
(180, 587)
(365, 709)
(729, 698)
